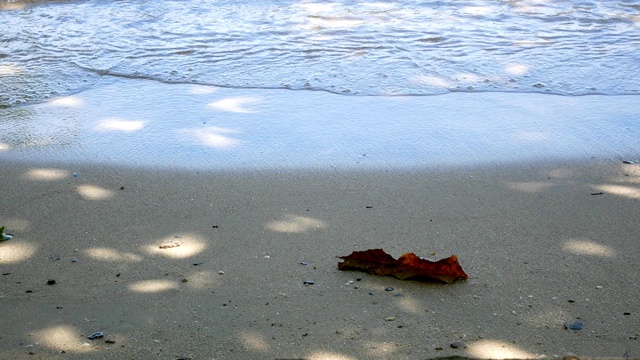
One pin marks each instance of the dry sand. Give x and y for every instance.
(540, 249)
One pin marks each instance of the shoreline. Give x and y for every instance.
(151, 124)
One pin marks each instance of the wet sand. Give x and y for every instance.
(545, 242)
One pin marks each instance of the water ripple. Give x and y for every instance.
(356, 47)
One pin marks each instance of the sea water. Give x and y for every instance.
(353, 83)
(355, 47)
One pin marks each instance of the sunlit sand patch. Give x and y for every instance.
(620, 190)
(67, 101)
(235, 105)
(295, 224)
(121, 125)
(108, 254)
(5, 146)
(190, 245)
(529, 187)
(494, 349)
(326, 355)
(587, 247)
(213, 136)
(94, 192)
(153, 286)
(253, 340)
(62, 338)
(517, 69)
(46, 174)
(15, 251)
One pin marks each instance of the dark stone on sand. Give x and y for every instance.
(96, 335)
(576, 325)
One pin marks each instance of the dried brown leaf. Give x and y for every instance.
(408, 266)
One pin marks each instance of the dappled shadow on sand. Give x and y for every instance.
(543, 245)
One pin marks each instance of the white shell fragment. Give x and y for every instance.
(170, 244)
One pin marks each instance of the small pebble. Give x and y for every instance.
(74, 260)
(576, 325)
(220, 272)
(110, 341)
(398, 295)
(51, 282)
(96, 335)
(308, 282)
(75, 174)
(303, 263)
(390, 318)
(599, 286)
(388, 289)
(458, 345)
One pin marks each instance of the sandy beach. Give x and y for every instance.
(546, 241)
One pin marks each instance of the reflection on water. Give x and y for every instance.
(140, 122)
(52, 48)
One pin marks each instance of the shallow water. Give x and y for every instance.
(147, 123)
(408, 47)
